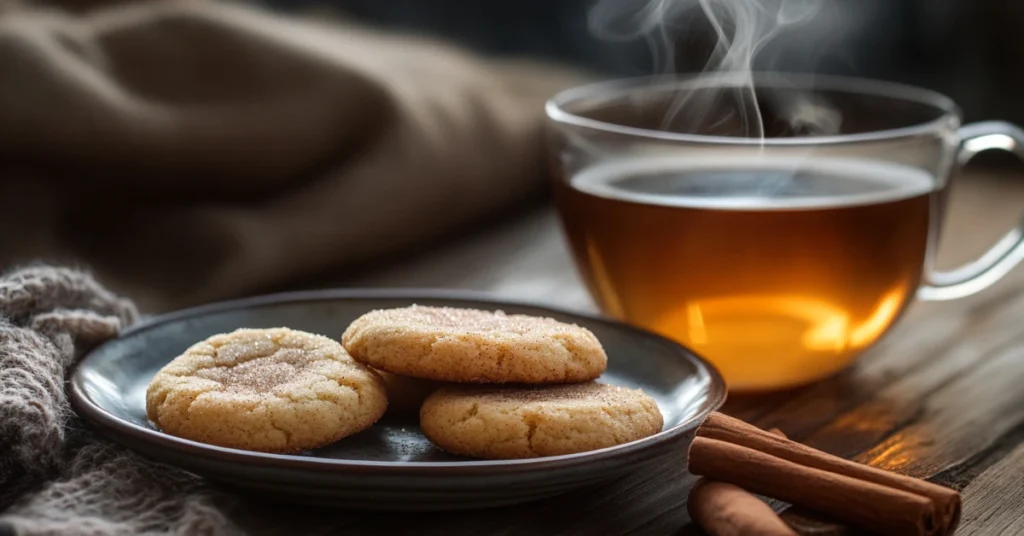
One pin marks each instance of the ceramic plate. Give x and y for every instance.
(391, 465)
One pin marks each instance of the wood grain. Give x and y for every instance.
(940, 397)
(987, 497)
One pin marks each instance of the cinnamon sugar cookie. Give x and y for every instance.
(469, 345)
(271, 390)
(527, 422)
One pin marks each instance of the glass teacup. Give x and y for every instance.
(782, 258)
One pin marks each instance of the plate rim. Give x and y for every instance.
(88, 409)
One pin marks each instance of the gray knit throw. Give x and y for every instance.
(58, 477)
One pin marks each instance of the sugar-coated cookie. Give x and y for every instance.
(469, 345)
(531, 421)
(271, 390)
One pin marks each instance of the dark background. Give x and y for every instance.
(970, 50)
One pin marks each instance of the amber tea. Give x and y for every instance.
(776, 270)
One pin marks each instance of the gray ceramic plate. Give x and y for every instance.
(391, 465)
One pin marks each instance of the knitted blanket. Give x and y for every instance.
(56, 475)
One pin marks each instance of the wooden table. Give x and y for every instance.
(942, 397)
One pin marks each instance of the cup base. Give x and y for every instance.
(754, 386)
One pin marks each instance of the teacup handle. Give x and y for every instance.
(1009, 250)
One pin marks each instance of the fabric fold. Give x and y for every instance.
(195, 151)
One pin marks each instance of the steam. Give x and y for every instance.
(725, 99)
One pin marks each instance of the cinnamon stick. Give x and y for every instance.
(721, 427)
(723, 509)
(874, 506)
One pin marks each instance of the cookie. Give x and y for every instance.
(270, 390)
(531, 421)
(406, 394)
(469, 345)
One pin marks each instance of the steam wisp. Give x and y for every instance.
(725, 99)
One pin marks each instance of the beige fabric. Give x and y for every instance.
(192, 151)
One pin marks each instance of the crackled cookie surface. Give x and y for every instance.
(469, 345)
(532, 421)
(271, 390)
